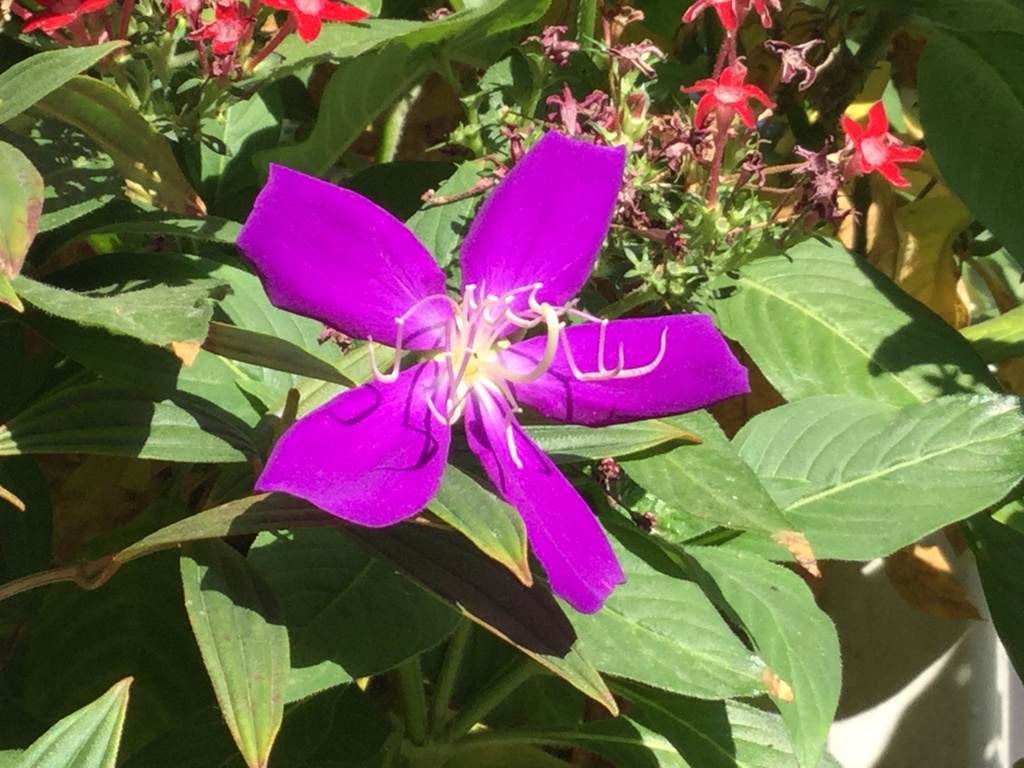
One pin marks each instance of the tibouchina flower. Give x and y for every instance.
(374, 455)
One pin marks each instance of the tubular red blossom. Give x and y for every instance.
(875, 149)
(310, 14)
(375, 454)
(59, 13)
(727, 97)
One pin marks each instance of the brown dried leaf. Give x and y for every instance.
(776, 686)
(800, 548)
(924, 578)
(186, 351)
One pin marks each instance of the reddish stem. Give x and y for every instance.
(283, 31)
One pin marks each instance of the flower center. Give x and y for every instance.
(474, 337)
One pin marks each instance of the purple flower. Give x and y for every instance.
(375, 455)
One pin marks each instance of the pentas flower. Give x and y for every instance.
(374, 455)
(229, 26)
(732, 12)
(310, 14)
(727, 97)
(56, 14)
(875, 149)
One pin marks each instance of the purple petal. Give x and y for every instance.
(545, 221)
(373, 455)
(330, 254)
(563, 532)
(697, 369)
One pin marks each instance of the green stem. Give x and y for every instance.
(630, 301)
(515, 675)
(391, 133)
(586, 20)
(449, 674)
(414, 698)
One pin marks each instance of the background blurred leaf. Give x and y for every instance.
(979, 163)
(348, 614)
(999, 338)
(135, 624)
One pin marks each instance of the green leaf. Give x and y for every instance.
(819, 320)
(26, 82)
(21, 203)
(956, 15)
(134, 625)
(87, 738)
(442, 226)
(243, 642)
(96, 417)
(569, 443)
(709, 481)
(8, 296)
(230, 140)
(1000, 338)
(157, 371)
(348, 614)
(270, 352)
(142, 155)
(673, 731)
(157, 315)
(955, 75)
(999, 553)
(662, 630)
(528, 617)
(10, 758)
(796, 639)
(862, 479)
(357, 93)
(484, 519)
(340, 41)
(137, 221)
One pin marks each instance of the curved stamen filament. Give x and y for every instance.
(389, 378)
(620, 371)
(554, 329)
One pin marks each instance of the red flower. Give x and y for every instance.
(875, 149)
(309, 14)
(226, 30)
(732, 12)
(728, 97)
(60, 13)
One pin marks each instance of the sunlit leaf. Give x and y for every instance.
(862, 479)
(87, 738)
(142, 155)
(818, 320)
(26, 82)
(21, 202)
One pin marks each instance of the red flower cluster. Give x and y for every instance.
(60, 13)
(875, 149)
